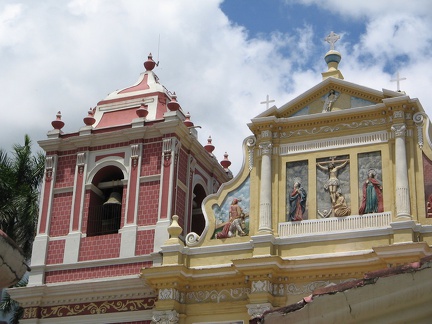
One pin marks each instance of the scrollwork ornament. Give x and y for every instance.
(165, 317)
(192, 239)
(257, 310)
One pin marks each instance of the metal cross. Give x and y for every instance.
(267, 102)
(332, 38)
(398, 79)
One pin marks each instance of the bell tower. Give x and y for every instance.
(109, 193)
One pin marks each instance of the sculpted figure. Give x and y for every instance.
(297, 201)
(331, 98)
(340, 207)
(332, 183)
(372, 201)
(233, 226)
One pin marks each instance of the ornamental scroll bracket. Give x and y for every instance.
(418, 119)
(135, 148)
(81, 162)
(49, 166)
(250, 142)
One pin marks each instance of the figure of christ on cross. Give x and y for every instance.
(332, 167)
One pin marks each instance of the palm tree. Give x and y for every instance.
(20, 179)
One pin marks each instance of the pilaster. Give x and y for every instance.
(265, 213)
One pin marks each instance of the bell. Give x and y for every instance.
(114, 198)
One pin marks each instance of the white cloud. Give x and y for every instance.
(67, 56)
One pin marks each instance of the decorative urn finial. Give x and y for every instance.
(89, 120)
(225, 162)
(58, 123)
(173, 105)
(209, 147)
(174, 230)
(142, 111)
(187, 121)
(149, 64)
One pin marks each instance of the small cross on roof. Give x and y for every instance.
(267, 102)
(398, 79)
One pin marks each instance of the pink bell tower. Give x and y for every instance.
(108, 195)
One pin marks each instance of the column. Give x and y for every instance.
(265, 214)
(402, 186)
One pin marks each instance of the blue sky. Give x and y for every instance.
(220, 57)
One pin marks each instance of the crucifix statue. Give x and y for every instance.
(332, 38)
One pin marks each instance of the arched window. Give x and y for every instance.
(105, 207)
(198, 221)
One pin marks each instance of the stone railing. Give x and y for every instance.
(335, 224)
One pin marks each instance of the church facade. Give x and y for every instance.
(335, 184)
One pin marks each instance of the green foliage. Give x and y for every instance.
(20, 179)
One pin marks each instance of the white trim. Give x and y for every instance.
(331, 143)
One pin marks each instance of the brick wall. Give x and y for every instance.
(151, 157)
(100, 247)
(65, 169)
(55, 252)
(148, 203)
(144, 243)
(60, 215)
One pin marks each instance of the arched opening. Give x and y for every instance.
(104, 214)
(198, 221)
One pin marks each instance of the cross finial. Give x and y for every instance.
(398, 79)
(267, 102)
(332, 38)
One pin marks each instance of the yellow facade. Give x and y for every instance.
(203, 279)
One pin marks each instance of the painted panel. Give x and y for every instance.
(239, 222)
(297, 189)
(333, 186)
(370, 184)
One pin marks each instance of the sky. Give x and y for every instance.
(222, 58)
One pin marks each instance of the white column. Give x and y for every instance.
(265, 220)
(402, 186)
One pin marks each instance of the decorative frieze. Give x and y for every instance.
(332, 129)
(91, 308)
(217, 296)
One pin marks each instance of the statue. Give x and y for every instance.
(331, 98)
(297, 201)
(233, 226)
(340, 207)
(372, 201)
(332, 183)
